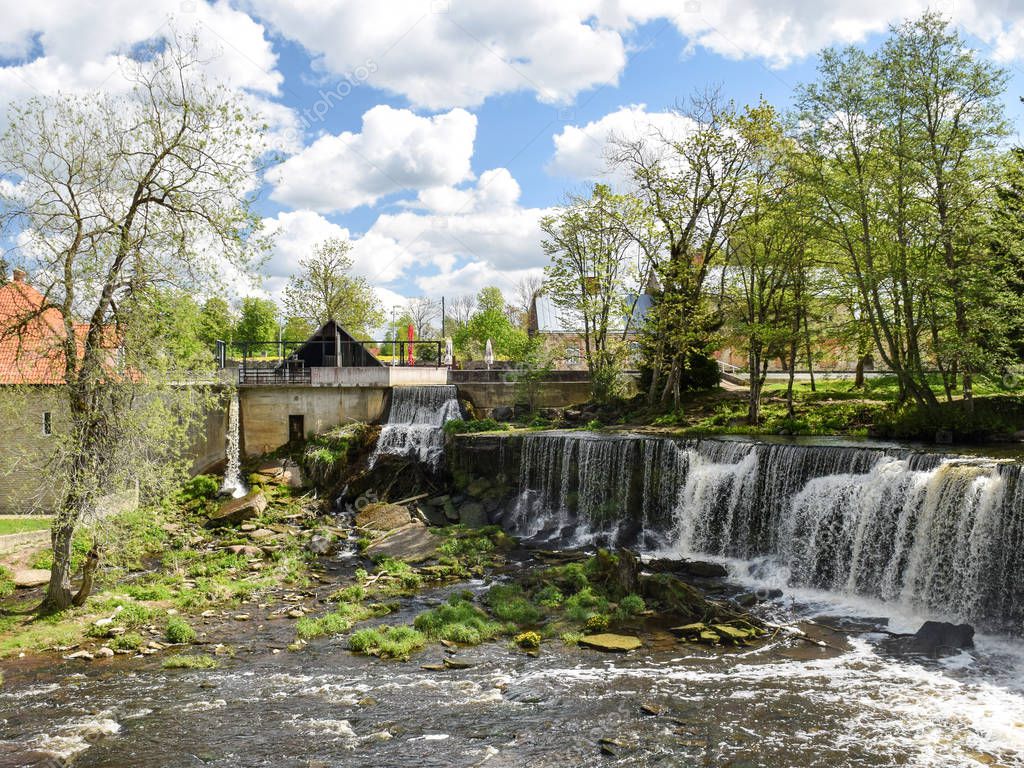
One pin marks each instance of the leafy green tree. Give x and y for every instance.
(257, 322)
(152, 183)
(591, 276)
(216, 321)
(490, 321)
(297, 329)
(324, 290)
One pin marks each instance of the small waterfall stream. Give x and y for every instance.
(233, 472)
(415, 425)
(935, 532)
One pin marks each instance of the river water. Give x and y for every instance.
(789, 704)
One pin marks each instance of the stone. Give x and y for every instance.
(235, 511)
(651, 709)
(80, 656)
(700, 569)
(609, 641)
(451, 663)
(382, 516)
(104, 652)
(938, 637)
(435, 516)
(451, 514)
(296, 613)
(246, 550)
(473, 515)
(413, 543)
(31, 577)
(438, 501)
(247, 527)
(503, 413)
(478, 487)
(320, 545)
(262, 534)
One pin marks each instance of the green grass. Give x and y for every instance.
(458, 621)
(190, 661)
(509, 603)
(338, 621)
(10, 525)
(387, 642)
(6, 582)
(179, 632)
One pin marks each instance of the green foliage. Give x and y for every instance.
(23, 525)
(199, 487)
(335, 623)
(216, 322)
(324, 289)
(490, 321)
(457, 427)
(596, 623)
(179, 631)
(387, 642)
(129, 641)
(584, 604)
(528, 640)
(631, 605)
(572, 638)
(135, 615)
(459, 621)
(188, 661)
(257, 322)
(508, 602)
(6, 582)
(549, 596)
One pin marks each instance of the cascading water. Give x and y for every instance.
(933, 532)
(415, 425)
(233, 472)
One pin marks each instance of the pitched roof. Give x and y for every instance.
(31, 338)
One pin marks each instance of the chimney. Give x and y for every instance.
(20, 275)
(3, 271)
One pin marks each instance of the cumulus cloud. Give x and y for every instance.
(396, 150)
(441, 54)
(581, 151)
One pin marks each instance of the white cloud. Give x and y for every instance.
(581, 152)
(441, 54)
(397, 150)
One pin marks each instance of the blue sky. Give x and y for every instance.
(452, 126)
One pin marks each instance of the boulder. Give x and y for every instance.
(939, 637)
(473, 514)
(694, 568)
(413, 543)
(451, 514)
(31, 577)
(503, 413)
(681, 599)
(244, 549)
(235, 511)
(382, 516)
(320, 545)
(608, 641)
(478, 487)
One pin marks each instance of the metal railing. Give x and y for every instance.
(278, 374)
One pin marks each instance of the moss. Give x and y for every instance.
(179, 631)
(631, 605)
(335, 623)
(152, 591)
(509, 603)
(584, 604)
(387, 642)
(129, 641)
(475, 425)
(199, 487)
(458, 621)
(189, 661)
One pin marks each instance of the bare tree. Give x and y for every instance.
(423, 313)
(113, 196)
(461, 308)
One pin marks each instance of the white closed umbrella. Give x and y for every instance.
(449, 354)
(488, 354)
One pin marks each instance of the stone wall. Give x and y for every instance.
(25, 449)
(265, 411)
(209, 444)
(486, 396)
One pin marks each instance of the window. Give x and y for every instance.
(47, 423)
(572, 355)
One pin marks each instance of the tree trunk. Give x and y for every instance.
(58, 593)
(92, 562)
(858, 376)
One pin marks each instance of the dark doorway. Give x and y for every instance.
(296, 429)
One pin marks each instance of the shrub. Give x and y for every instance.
(631, 605)
(584, 604)
(458, 621)
(387, 642)
(199, 487)
(334, 623)
(179, 631)
(508, 603)
(457, 427)
(528, 640)
(129, 641)
(549, 596)
(596, 623)
(572, 638)
(135, 615)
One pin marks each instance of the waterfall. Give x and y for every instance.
(233, 472)
(415, 425)
(936, 532)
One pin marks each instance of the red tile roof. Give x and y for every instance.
(31, 341)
